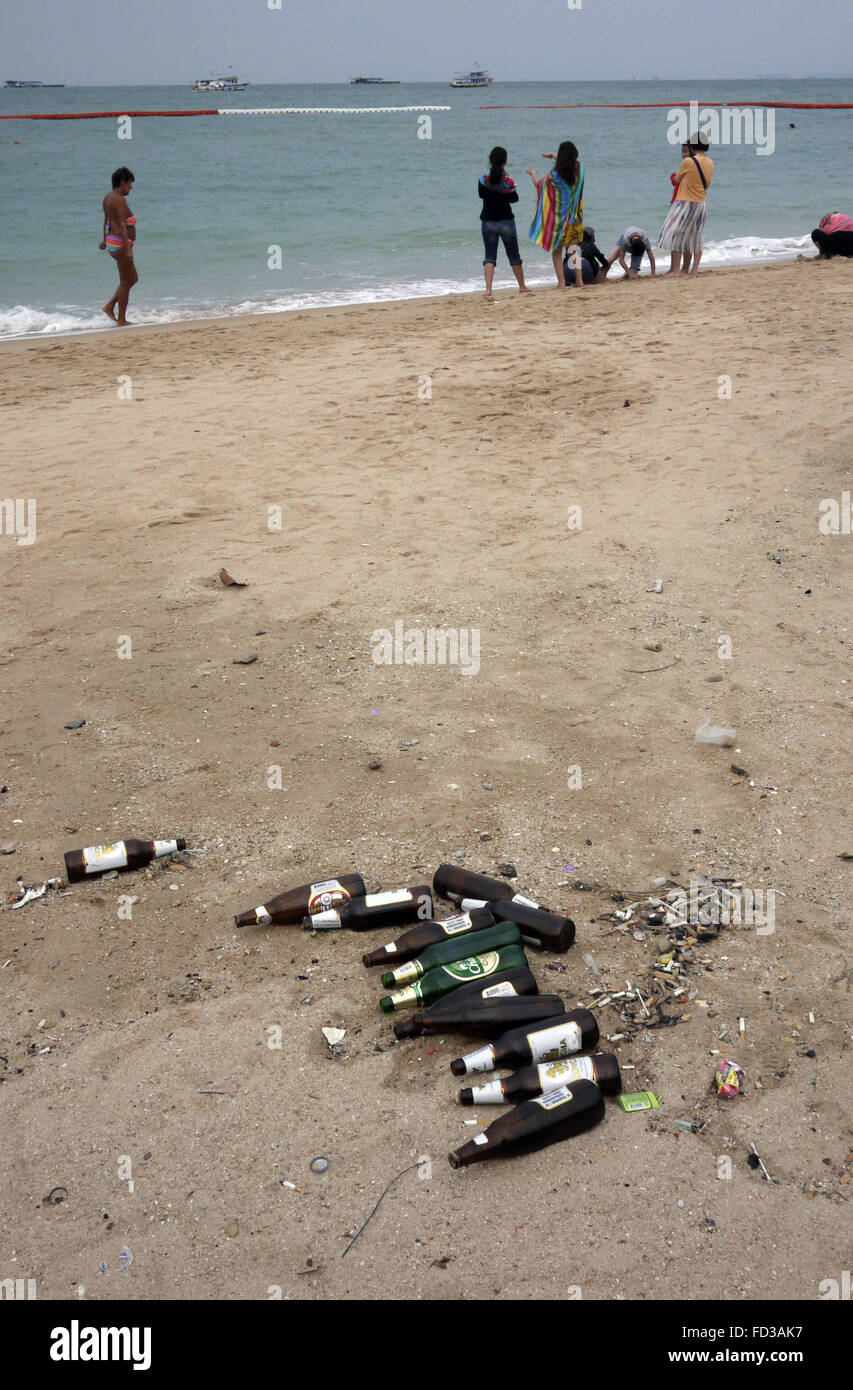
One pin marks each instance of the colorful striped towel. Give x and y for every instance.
(556, 205)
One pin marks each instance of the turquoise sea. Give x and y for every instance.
(361, 207)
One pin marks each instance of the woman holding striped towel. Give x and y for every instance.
(558, 221)
(681, 233)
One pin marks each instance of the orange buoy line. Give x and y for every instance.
(635, 105)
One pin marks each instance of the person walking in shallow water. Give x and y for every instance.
(497, 219)
(119, 234)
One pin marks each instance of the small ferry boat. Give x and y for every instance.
(375, 81)
(219, 84)
(11, 83)
(475, 78)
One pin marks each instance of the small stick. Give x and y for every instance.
(763, 1169)
(376, 1208)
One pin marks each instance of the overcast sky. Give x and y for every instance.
(111, 42)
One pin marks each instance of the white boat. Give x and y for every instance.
(475, 78)
(219, 84)
(375, 81)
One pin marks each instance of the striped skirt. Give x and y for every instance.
(682, 230)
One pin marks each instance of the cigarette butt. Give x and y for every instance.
(741, 1026)
(811, 1018)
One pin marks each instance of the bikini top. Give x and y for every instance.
(131, 222)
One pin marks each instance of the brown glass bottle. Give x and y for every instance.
(571, 1032)
(538, 927)
(602, 1068)
(124, 854)
(484, 1009)
(386, 909)
(535, 1124)
(412, 942)
(296, 903)
(473, 890)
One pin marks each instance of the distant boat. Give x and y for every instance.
(375, 81)
(475, 78)
(219, 84)
(12, 83)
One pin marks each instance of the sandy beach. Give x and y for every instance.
(424, 463)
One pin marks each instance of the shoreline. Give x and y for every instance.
(503, 293)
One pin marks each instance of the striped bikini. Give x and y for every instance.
(115, 244)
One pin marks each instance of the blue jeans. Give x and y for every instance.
(493, 232)
(587, 272)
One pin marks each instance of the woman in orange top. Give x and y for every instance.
(681, 233)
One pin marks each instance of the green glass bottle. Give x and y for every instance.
(443, 952)
(445, 978)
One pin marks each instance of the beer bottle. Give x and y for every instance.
(444, 978)
(416, 939)
(473, 890)
(125, 854)
(536, 1123)
(292, 905)
(375, 910)
(484, 1010)
(602, 1068)
(538, 927)
(443, 952)
(520, 1047)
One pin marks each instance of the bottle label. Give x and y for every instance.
(499, 991)
(325, 895)
(262, 916)
(468, 903)
(473, 966)
(528, 902)
(401, 895)
(549, 1044)
(162, 847)
(391, 948)
(480, 1139)
(552, 1075)
(100, 857)
(451, 925)
(554, 1098)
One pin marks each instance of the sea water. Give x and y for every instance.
(249, 214)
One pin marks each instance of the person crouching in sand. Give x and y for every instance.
(497, 219)
(833, 236)
(558, 221)
(119, 235)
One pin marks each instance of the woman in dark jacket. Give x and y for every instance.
(497, 219)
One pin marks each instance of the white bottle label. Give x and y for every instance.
(528, 902)
(390, 948)
(554, 1098)
(401, 895)
(552, 1075)
(480, 1139)
(262, 916)
(451, 925)
(549, 1044)
(498, 991)
(467, 904)
(162, 847)
(100, 857)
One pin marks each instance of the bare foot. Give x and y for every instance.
(489, 297)
(110, 311)
(123, 323)
(524, 290)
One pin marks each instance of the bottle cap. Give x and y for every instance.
(466, 1096)
(458, 1067)
(182, 844)
(607, 1073)
(386, 1004)
(387, 980)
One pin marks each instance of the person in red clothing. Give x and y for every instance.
(834, 235)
